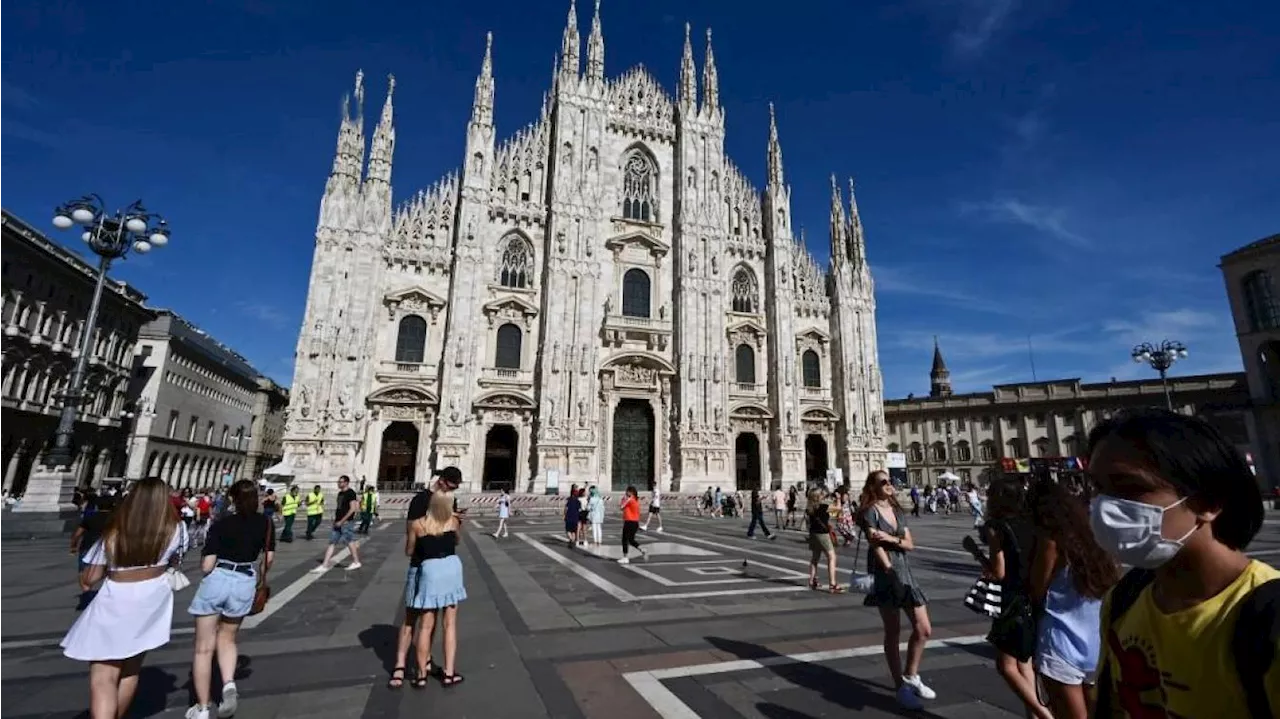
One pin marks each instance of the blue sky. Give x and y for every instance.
(1068, 171)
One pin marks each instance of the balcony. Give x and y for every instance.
(654, 332)
(506, 377)
(815, 394)
(748, 389)
(390, 371)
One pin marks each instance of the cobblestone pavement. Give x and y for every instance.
(711, 624)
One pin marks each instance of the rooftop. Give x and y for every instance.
(1271, 242)
(74, 262)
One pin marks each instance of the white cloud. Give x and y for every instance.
(978, 23)
(913, 281)
(1049, 221)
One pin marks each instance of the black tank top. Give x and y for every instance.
(436, 546)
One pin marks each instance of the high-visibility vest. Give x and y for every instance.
(369, 502)
(315, 503)
(289, 505)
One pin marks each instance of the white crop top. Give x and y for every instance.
(97, 554)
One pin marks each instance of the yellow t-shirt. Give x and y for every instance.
(1181, 665)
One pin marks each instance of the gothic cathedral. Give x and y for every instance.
(602, 298)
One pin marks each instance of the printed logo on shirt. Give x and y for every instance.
(1139, 687)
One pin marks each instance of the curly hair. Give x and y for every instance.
(1064, 518)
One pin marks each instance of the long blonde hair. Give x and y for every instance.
(142, 527)
(439, 515)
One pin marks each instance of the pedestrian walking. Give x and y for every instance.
(894, 590)
(630, 507)
(818, 515)
(225, 596)
(434, 588)
(792, 498)
(915, 501)
(757, 517)
(343, 533)
(133, 610)
(572, 508)
(368, 509)
(779, 507)
(504, 513)
(595, 513)
(655, 509)
(289, 510)
(315, 512)
(270, 505)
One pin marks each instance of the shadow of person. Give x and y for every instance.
(775, 711)
(382, 639)
(154, 687)
(840, 689)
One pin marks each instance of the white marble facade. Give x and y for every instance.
(602, 295)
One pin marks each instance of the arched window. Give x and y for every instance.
(1072, 444)
(745, 292)
(963, 453)
(1042, 448)
(639, 185)
(515, 264)
(915, 453)
(987, 451)
(939, 452)
(744, 359)
(811, 369)
(1013, 448)
(893, 447)
(411, 339)
(1260, 301)
(507, 353)
(635, 293)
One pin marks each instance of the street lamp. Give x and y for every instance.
(111, 237)
(1161, 358)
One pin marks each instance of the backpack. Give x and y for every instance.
(1253, 640)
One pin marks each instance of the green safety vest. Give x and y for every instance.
(289, 505)
(315, 504)
(369, 503)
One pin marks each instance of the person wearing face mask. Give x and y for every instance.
(1192, 629)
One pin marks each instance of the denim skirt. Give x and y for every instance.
(436, 584)
(225, 592)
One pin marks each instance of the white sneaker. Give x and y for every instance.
(230, 697)
(624, 560)
(907, 698)
(353, 567)
(918, 686)
(643, 528)
(659, 530)
(320, 569)
(196, 711)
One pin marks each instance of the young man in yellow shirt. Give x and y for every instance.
(1192, 630)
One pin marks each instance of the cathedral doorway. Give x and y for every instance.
(398, 457)
(633, 440)
(815, 459)
(500, 452)
(746, 463)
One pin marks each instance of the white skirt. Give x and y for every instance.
(123, 621)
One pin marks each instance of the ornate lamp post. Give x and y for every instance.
(111, 237)
(1161, 357)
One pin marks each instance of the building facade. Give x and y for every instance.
(1252, 276)
(47, 290)
(266, 435)
(971, 434)
(602, 297)
(195, 407)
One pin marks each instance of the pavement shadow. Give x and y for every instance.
(840, 689)
(154, 687)
(382, 640)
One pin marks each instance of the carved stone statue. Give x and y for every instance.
(582, 413)
(454, 414)
(304, 401)
(715, 265)
(555, 357)
(551, 412)
(719, 416)
(718, 367)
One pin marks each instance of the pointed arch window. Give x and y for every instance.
(811, 369)
(744, 359)
(1261, 303)
(510, 341)
(515, 264)
(745, 292)
(639, 188)
(411, 339)
(635, 293)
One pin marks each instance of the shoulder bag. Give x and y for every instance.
(263, 591)
(1013, 631)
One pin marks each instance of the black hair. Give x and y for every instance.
(1197, 461)
(244, 495)
(1007, 499)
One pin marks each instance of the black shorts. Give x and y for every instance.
(654, 509)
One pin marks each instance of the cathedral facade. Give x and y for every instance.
(600, 298)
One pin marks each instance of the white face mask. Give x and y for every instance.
(1132, 531)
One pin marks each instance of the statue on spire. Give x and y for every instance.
(710, 80)
(775, 152)
(688, 75)
(595, 49)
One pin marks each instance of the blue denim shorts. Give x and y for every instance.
(225, 592)
(344, 535)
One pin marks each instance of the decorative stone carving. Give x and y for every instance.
(636, 374)
(304, 400)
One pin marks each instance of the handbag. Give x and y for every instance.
(263, 591)
(860, 582)
(984, 597)
(176, 579)
(1013, 631)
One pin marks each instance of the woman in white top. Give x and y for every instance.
(655, 510)
(504, 513)
(133, 611)
(595, 513)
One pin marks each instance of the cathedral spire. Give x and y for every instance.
(384, 140)
(595, 49)
(570, 48)
(939, 375)
(710, 80)
(857, 243)
(688, 76)
(349, 157)
(838, 225)
(482, 108)
(775, 152)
